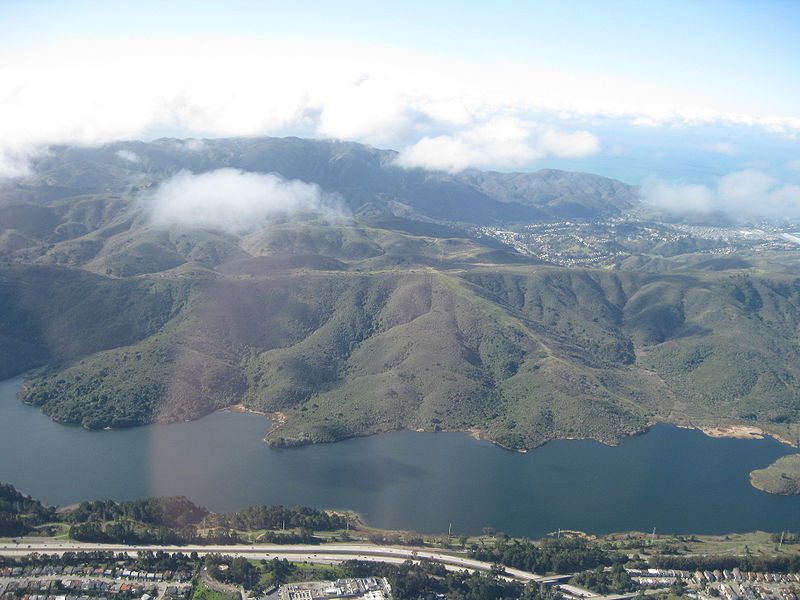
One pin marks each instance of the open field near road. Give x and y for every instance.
(756, 543)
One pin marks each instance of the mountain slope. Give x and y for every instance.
(524, 356)
(393, 316)
(366, 178)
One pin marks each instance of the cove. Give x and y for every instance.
(677, 480)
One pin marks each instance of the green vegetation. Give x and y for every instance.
(549, 556)
(19, 514)
(175, 511)
(778, 564)
(165, 520)
(424, 579)
(401, 315)
(523, 358)
(277, 517)
(410, 580)
(602, 581)
(203, 592)
(236, 571)
(781, 477)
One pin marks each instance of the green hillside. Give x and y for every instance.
(381, 319)
(524, 355)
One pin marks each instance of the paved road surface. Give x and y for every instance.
(297, 552)
(326, 553)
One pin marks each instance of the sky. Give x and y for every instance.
(659, 93)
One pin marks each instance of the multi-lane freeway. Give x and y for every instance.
(327, 553)
(312, 553)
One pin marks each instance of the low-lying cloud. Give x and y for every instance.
(93, 93)
(744, 194)
(234, 201)
(128, 156)
(499, 143)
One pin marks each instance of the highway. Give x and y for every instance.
(325, 553)
(329, 553)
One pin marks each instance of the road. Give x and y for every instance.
(311, 553)
(326, 553)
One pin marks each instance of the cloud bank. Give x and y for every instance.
(98, 92)
(740, 194)
(232, 200)
(501, 143)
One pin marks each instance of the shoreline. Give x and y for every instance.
(276, 419)
(740, 432)
(745, 432)
(241, 408)
(279, 418)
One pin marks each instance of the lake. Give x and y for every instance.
(677, 480)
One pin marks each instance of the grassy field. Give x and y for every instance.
(757, 543)
(202, 592)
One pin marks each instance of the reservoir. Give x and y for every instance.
(676, 480)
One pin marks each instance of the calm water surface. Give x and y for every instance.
(673, 479)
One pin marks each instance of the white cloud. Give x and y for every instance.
(743, 193)
(14, 161)
(370, 110)
(724, 148)
(192, 145)
(91, 93)
(499, 143)
(233, 200)
(678, 198)
(128, 155)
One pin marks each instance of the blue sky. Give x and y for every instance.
(672, 90)
(750, 49)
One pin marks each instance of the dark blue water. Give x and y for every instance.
(673, 479)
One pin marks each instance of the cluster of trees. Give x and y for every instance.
(176, 520)
(781, 564)
(552, 556)
(19, 513)
(164, 520)
(128, 532)
(304, 536)
(67, 559)
(168, 511)
(236, 571)
(278, 517)
(146, 560)
(427, 580)
(614, 581)
(240, 571)
(277, 571)
(122, 532)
